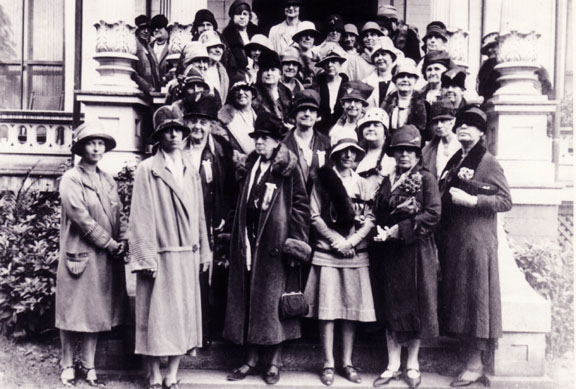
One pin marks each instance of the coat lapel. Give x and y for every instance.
(160, 170)
(101, 193)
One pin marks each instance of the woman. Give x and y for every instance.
(403, 257)
(239, 31)
(380, 79)
(338, 286)
(360, 66)
(374, 137)
(257, 45)
(169, 244)
(354, 102)
(474, 189)
(269, 234)
(215, 74)
(90, 290)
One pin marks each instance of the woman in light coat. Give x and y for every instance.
(90, 290)
(169, 243)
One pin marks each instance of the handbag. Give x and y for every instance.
(293, 304)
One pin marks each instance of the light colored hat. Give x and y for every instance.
(371, 26)
(385, 44)
(88, 131)
(331, 50)
(351, 29)
(406, 66)
(388, 11)
(345, 139)
(374, 114)
(291, 54)
(210, 38)
(258, 40)
(306, 27)
(195, 50)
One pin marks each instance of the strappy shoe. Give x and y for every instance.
(272, 376)
(241, 372)
(327, 376)
(469, 377)
(351, 374)
(173, 385)
(89, 375)
(413, 382)
(387, 376)
(67, 381)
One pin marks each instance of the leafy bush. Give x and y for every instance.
(29, 233)
(549, 269)
(125, 180)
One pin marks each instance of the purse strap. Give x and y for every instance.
(293, 279)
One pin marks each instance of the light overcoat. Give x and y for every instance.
(95, 301)
(167, 234)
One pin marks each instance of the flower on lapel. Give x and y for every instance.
(267, 199)
(207, 166)
(465, 174)
(321, 158)
(412, 183)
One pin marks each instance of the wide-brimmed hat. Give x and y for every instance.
(258, 41)
(357, 90)
(454, 77)
(343, 140)
(267, 124)
(374, 115)
(240, 80)
(407, 136)
(204, 15)
(436, 28)
(405, 66)
(286, 3)
(387, 11)
(386, 45)
(441, 110)
(211, 38)
(436, 56)
(489, 40)
(306, 98)
(88, 131)
(167, 117)
(203, 105)
(371, 26)
(332, 51)
(159, 21)
(471, 115)
(142, 21)
(351, 29)
(269, 59)
(291, 54)
(194, 50)
(306, 27)
(237, 4)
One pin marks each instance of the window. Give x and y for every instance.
(40, 135)
(22, 134)
(32, 54)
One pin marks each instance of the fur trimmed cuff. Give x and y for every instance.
(297, 250)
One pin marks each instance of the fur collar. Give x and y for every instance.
(449, 177)
(282, 164)
(226, 113)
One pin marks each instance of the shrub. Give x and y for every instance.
(549, 269)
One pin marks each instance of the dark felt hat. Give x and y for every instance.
(407, 136)
(269, 59)
(332, 54)
(471, 115)
(240, 80)
(142, 21)
(204, 15)
(357, 90)
(192, 76)
(307, 98)
(201, 104)
(436, 28)
(335, 22)
(237, 4)
(441, 109)
(267, 124)
(88, 131)
(454, 77)
(436, 56)
(287, 3)
(490, 40)
(159, 21)
(167, 117)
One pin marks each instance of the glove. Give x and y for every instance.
(459, 197)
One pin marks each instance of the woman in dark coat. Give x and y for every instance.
(269, 234)
(474, 189)
(239, 31)
(404, 262)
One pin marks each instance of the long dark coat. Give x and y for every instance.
(404, 271)
(232, 37)
(264, 102)
(468, 250)
(252, 310)
(328, 119)
(416, 115)
(147, 74)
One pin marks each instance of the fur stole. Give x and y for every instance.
(283, 162)
(336, 211)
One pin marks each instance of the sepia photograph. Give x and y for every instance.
(288, 193)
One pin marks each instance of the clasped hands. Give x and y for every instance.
(343, 247)
(386, 233)
(459, 197)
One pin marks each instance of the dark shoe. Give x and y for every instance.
(154, 386)
(67, 381)
(327, 376)
(381, 381)
(89, 375)
(413, 382)
(351, 374)
(241, 372)
(174, 385)
(472, 377)
(272, 376)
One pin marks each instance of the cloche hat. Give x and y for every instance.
(88, 131)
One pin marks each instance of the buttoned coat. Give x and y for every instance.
(252, 314)
(147, 73)
(95, 301)
(470, 303)
(167, 234)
